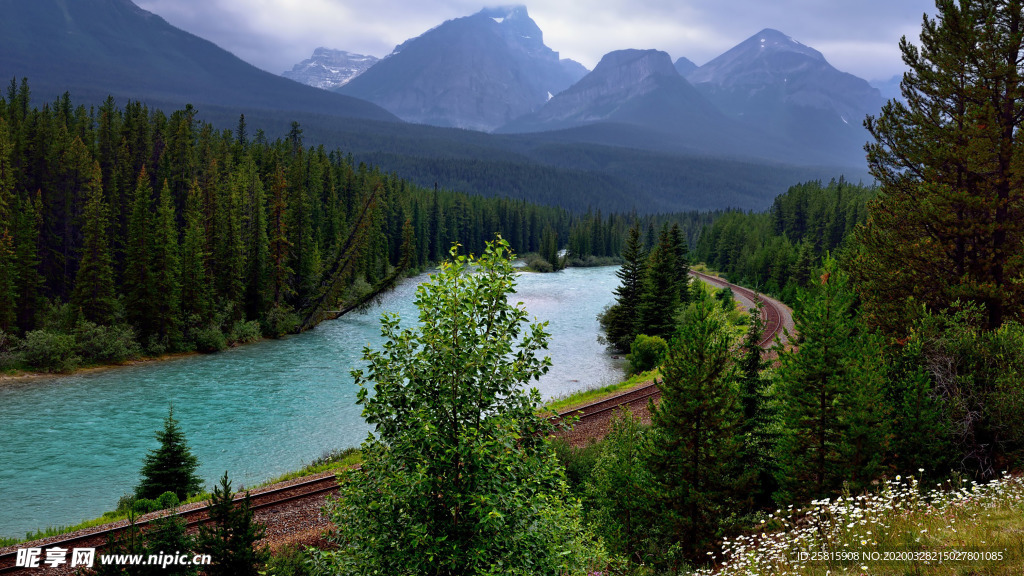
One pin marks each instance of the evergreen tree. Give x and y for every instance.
(949, 222)
(696, 439)
(759, 414)
(621, 322)
(682, 256)
(139, 287)
(662, 291)
(231, 535)
(8, 257)
(165, 272)
(171, 467)
(830, 389)
(196, 304)
(93, 297)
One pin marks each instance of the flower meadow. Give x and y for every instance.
(903, 527)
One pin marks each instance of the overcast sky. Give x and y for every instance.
(856, 36)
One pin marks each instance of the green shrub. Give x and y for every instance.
(105, 344)
(50, 351)
(646, 353)
(145, 506)
(578, 462)
(281, 320)
(168, 500)
(245, 332)
(210, 339)
(290, 560)
(10, 354)
(537, 263)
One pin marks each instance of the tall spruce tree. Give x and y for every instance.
(621, 322)
(696, 440)
(949, 221)
(662, 289)
(171, 467)
(93, 297)
(139, 288)
(831, 392)
(165, 271)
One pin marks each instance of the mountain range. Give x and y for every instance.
(328, 68)
(634, 134)
(477, 72)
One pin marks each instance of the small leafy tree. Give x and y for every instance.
(231, 535)
(618, 490)
(459, 477)
(171, 467)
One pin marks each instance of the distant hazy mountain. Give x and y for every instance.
(889, 88)
(330, 68)
(638, 87)
(95, 48)
(786, 88)
(685, 66)
(477, 72)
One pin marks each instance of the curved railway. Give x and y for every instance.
(594, 419)
(591, 420)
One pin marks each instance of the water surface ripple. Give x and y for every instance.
(71, 446)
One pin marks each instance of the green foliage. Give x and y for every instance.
(105, 344)
(50, 351)
(975, 380)
(618, 491)
(776, 251)
(231, 535)
(10, 351)
(830, 389)
(458, 477)
(245, 332)
(621, 322)
(171, 467)
(281, 320)
(210, 339)
(665, 285)
(578, 463)
(696, 439)
(646, 353)
(947, 225)
(289, 560)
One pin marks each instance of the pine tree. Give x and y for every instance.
(682, 255)
(621, 322)
(949, 221)
(696, 439)
(830, 390)
(138, 286)
(171, 467)
(165, 271)
(8, 257)
(759, 414)
(231, 535)
(662, 292)
(93, 296)
(196, 299)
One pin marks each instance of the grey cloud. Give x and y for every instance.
(858, 36)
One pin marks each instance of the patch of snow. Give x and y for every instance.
(550, 95)
(843, 118)
(498, 20)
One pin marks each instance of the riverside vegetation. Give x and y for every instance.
(907, 363)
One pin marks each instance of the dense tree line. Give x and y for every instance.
(128, 230)
(775, 251)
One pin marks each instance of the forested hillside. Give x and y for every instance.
(776, 250)
(131, 228)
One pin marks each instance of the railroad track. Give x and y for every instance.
(193, 517)
(275, 497)
(771, 312)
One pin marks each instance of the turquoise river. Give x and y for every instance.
(71, 446)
